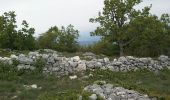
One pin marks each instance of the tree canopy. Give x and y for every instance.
(63, 39)
(120, 22)
(12, 38)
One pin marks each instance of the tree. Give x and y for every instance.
(12, 38)
(47, 40)
(67, 39)
(152, 35)
(114, 21)
(63, 39)
(7, 29)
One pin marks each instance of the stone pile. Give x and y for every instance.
(60, 65)
(109, 92)
(130, 63)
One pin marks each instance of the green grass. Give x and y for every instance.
(53, 88)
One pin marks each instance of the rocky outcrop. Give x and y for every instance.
(110, 92)
(60, 65)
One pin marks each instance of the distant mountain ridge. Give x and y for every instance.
(83, 43)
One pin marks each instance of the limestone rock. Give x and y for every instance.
(81, 66)
(93, 97)
(76, 58)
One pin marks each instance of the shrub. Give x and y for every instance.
(39, 64)
(8, 72)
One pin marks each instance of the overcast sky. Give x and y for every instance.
(42, 14)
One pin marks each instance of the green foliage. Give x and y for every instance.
(101, 47)
(135, 32)
(63, 39)
(12, 38)
(7, 72)
(39, 64)
(152, 39)
(106, 48)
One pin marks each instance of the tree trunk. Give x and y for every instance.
(121, 53)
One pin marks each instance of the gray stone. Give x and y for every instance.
(108, 92)
(76, 58)
(22, 66)
(81, 66)
(25, 60)
(122, 59)
(106, 60)
(93, 97)
(163, 58)
(88, 54)
(14, 57)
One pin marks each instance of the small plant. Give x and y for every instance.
(39, 64)
(8, 72)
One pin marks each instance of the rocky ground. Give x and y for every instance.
(61, 65)
(109, 92)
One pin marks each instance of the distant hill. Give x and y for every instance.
(82, 43)
(86, 39)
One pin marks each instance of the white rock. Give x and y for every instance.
(93, 97)
(106, 60)
(122, 59)
(73, 77)
(163, 58)
(76, 58)
(34, 86)
(81, 67)
(14, 57)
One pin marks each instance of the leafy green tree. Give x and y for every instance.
(63, 39)
(7, 30)
(47, 40)
(152, 36)
(121, 23)
(67, 39)
(12, 38)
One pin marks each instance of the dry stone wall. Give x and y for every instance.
(60, 65)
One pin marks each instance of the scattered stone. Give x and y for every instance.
(14, 97)
(80, 97)
(34, 86)
(73, 77)
(109, 92)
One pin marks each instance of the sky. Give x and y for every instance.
(42, 14)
